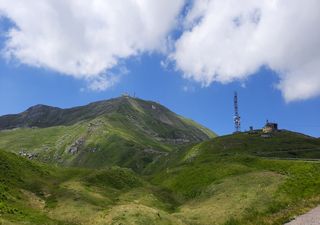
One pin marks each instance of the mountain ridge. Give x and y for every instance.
(34, 115)
(123, 131)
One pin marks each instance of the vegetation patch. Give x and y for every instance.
(115, 177)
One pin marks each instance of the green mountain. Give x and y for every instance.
(124, 131)
(129, 161)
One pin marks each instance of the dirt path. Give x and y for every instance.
(310, 218)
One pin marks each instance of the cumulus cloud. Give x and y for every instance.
(105, 81)
(86, 38)
(227, 40)
(102, 83)
(221, 40)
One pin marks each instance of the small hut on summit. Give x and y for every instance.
(270, 127)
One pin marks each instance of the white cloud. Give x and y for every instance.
(227, 40)
(102, 83)
(222, 40)
(86, 38)
(106, 81)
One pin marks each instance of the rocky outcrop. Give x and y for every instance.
(75, 147)
(28, 155)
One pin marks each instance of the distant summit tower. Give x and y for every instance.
(236, 119)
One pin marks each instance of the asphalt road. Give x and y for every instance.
(310, 218)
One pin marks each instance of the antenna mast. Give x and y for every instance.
(236, 119)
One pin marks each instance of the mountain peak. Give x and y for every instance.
(40, 107)
(123, 131)
(137, 112)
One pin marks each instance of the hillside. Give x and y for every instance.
(135, 162)
(124, 131)
(245, 179)
(282, 144)
(223, 181)
(37, 194)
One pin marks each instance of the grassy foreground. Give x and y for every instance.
(245, 179)
(32, 193)
(231, 180)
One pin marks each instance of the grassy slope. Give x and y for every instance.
(225, 181)
(32, 193)
(221, 181)
(133, 135)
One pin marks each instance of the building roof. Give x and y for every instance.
(271, 124)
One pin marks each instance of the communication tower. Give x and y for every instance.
(236, 119)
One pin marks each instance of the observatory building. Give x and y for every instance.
(270, 127)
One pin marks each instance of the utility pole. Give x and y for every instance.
(236, 118)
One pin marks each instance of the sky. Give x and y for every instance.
(189, 55)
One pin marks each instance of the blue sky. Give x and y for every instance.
(198, 82)
(22, 86)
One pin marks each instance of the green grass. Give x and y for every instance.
(34, 193)
(120, 136)
(117, 178)
(247, 189)
(227, 181)
(237, 179)
(231, 197)
(284, 144)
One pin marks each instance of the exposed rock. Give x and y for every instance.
(95, 149)
(28, 155)
(95, 125)
(75, 147)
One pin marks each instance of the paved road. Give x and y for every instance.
(310, 218)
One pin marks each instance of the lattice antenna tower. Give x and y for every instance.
(236, 119)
